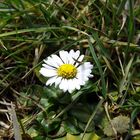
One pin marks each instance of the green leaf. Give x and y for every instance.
(120, 123)
(52, 92)
(70, 126)
(39, 138)
(32, 132)
(100, 119)
(81, 113)
(87, 136)
(90, 128)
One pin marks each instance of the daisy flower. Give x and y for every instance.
(66, 70)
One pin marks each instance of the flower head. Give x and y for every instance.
(66, 70)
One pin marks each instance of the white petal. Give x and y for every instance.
(64, 56)
(85, 68)
(71, 86)
(71, 51)
(90, 76)
(63, 85)
(82, 76)
(76, 83)
(51, 62)
(88, 65)
(81, 68)
(81, 79)
(51, 80)
(70, 59)
(74, 55)
(66, 85)
(48, 67)
(80, 59)
(57, 81)
(48, 72)
(57, 59)
(87, 72)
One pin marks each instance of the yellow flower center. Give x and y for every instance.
(67, 71)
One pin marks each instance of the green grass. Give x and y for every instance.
(107, 32)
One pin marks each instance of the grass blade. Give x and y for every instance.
(99, 67)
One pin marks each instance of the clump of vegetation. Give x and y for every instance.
(106, 32)
(120, 125)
